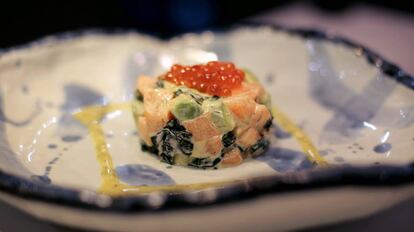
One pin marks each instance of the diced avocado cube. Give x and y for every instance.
(137, 108)
(220, 115)
(250, 77)
(185, 108)
(181, 159)
(265, 100)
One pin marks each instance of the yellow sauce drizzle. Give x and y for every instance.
(111, 185)
(300, 136)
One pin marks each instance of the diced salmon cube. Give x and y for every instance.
(201, 127)
(214, 145)
(260, 117)
(145, 83)
(157, 99)
(240, 130)
(143, 130)
(232, 157)
(156, 109)
(199, 149)
(242, 107)
(250, 90)
(248, 138)
(155, 120)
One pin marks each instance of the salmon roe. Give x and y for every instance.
(214, 78)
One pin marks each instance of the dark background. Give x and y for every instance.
(23, 21)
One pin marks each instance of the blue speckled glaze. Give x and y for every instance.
(8, 156)
(52, 146)
(351, 110)
(280, 133)
(285, 160)
(71, 138)
(76, 97)
(3, 118)
(339, 159)
(326, 152)
(270, 78)
(44, 179)
(140, 174)
(396, 117)
(25, 89)
(382, 148)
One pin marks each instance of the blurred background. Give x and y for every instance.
(384, 25)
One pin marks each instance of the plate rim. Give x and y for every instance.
(371, 176)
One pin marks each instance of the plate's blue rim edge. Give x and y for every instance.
(370, 176)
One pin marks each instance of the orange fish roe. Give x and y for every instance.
(214, 78)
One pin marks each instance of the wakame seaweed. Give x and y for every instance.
(173, 131)
(184, 142)
(139, 96)
(260, 146)
(151, 149)
(228, 139)
(164, 146)
(206, 162)
(268, 124)
(160, 84)
(199, 99)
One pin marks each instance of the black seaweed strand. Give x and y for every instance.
(268, 124)
(159, 84)
(172, 131)
(138, 95)
(197, 98)
(259, 147)
(228, 139)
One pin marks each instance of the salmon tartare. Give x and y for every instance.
(205, 116)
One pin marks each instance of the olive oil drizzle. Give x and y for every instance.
(91, 116)
(300, 136)
(110, 184)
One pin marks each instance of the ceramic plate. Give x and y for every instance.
(343, 116)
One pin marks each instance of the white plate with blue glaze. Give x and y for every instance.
(345, 119)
